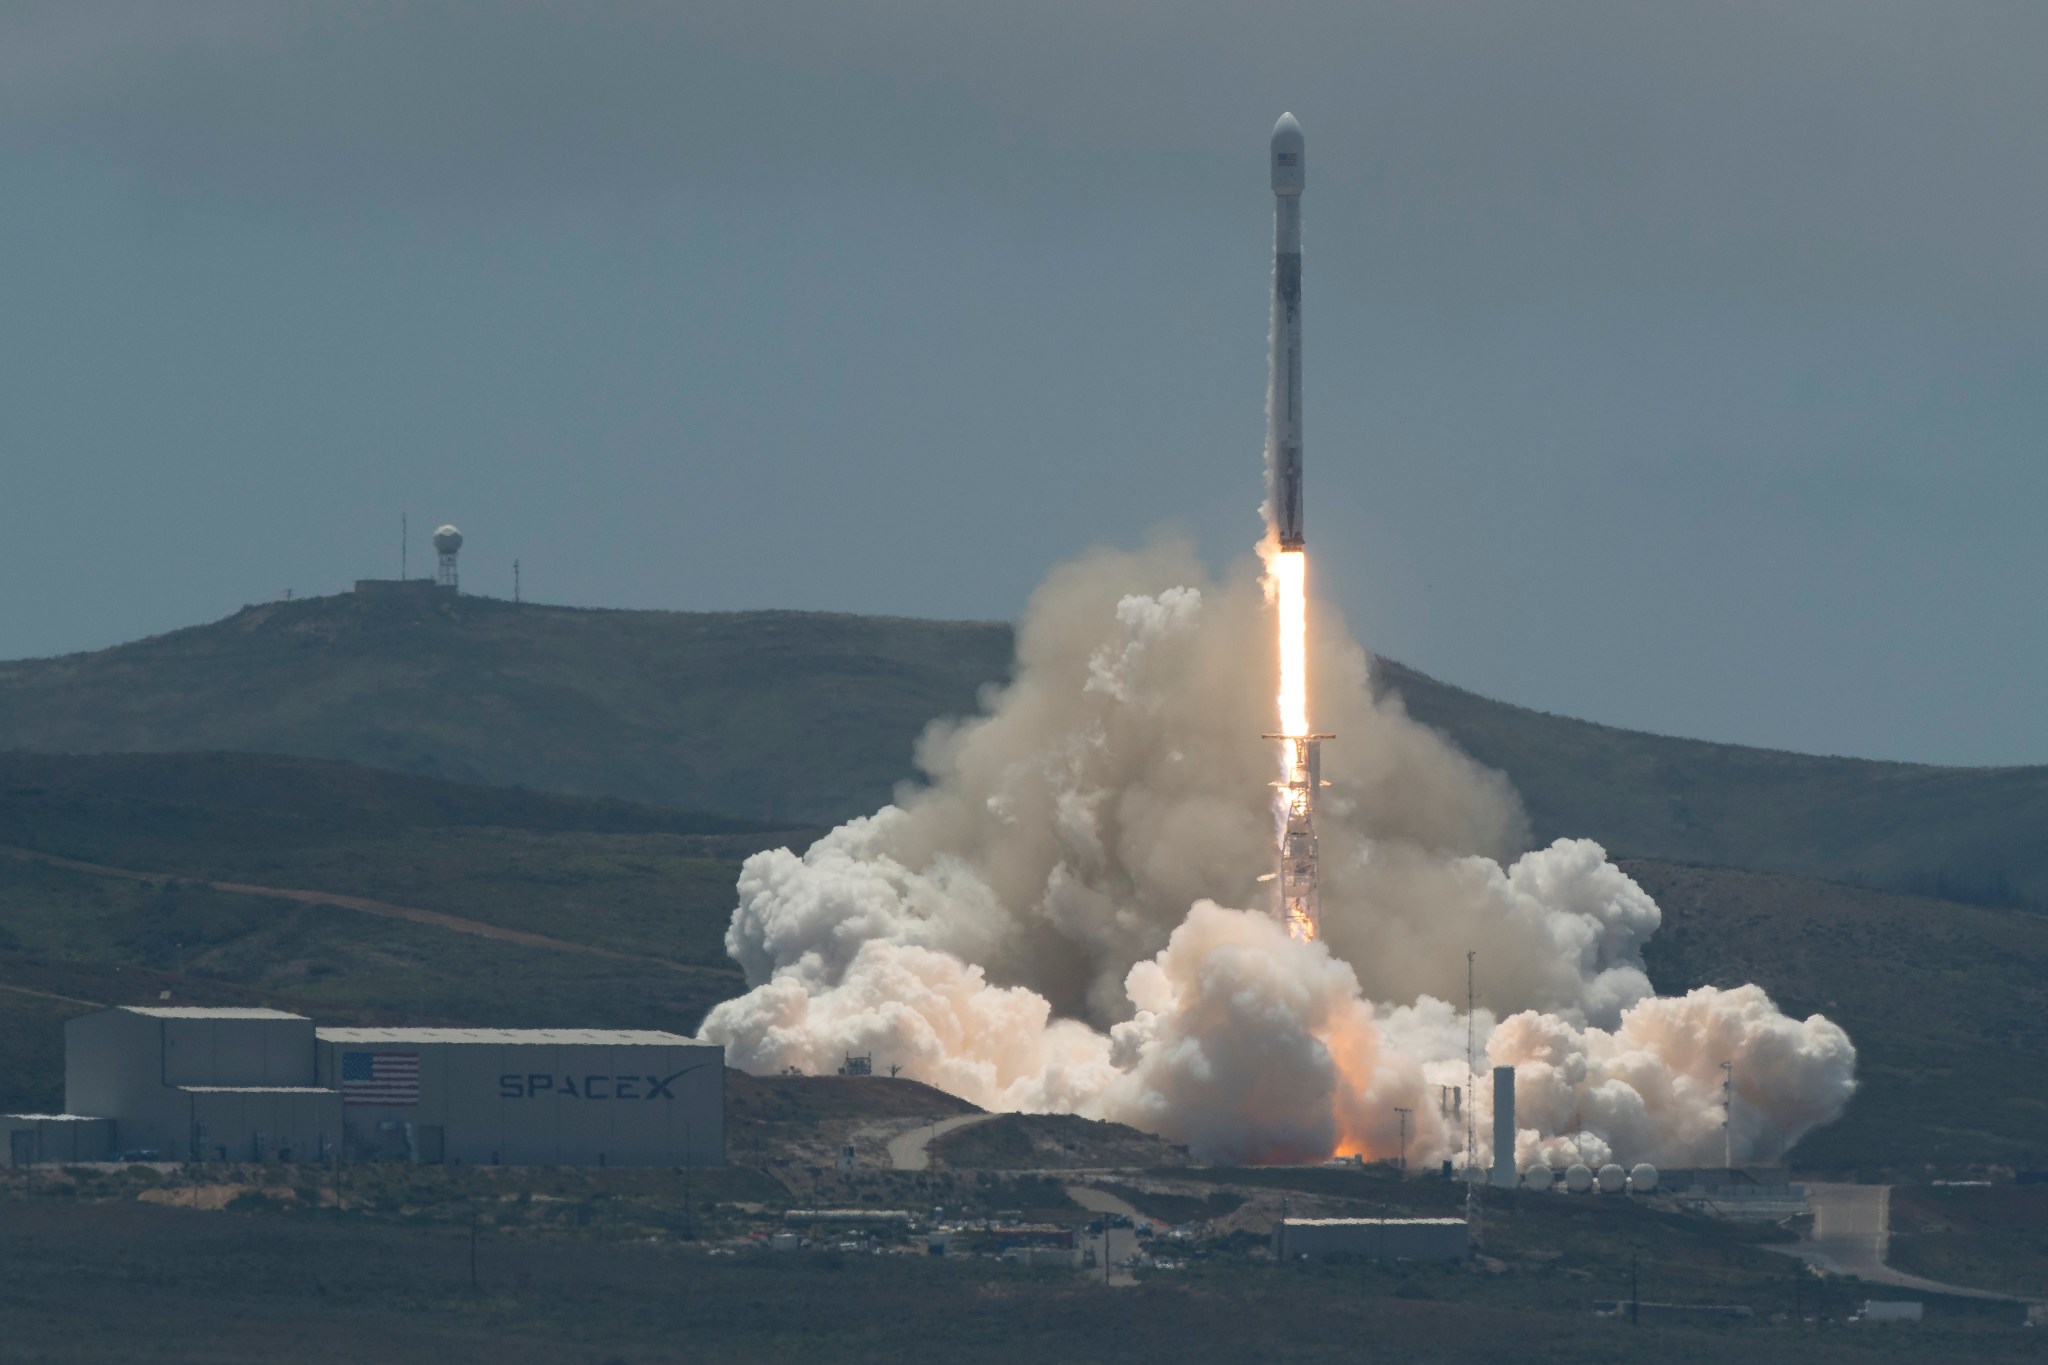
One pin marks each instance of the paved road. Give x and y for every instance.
(908, 1152)
(1852, 1236)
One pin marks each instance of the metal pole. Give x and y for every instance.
(1404, 1137)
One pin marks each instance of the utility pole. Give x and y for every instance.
(515, 580)
(1404, 1136)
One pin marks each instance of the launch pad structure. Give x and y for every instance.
(1301, 910)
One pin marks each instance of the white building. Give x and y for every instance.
(262, 1085)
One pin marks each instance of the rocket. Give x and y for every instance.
(1283, 416)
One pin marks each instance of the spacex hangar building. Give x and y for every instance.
(186, 1084)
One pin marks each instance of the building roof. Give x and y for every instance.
(55, 1118)
(1372, 1222)
(196, 1012)
(257, 1090)
(511, 1037)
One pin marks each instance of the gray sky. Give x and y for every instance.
(1682, 366)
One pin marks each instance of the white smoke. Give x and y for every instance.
(1041, 926)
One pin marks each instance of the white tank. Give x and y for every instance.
(1643, 1179)
(1613, 1179)
(1579, 1178)
(1538, 1177)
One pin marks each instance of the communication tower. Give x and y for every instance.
(447, 541)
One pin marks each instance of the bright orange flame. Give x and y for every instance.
(1354, 1050)
(1289, 572)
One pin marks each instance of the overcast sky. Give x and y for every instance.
(1680, 366)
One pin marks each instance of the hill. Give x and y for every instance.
(1963, 834)
(1947, 1005)
(804, 718)
(788, 716)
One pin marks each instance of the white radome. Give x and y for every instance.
(1538, 1177)
(1613, 1180)
(1579, 1179)
(1643, 1179)
(447, 540)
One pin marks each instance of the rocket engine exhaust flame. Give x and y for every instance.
(1287, 574)
(1298, 875)
(1042, 925)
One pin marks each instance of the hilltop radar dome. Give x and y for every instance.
(447, 541)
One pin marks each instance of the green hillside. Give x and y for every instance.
(804, 718)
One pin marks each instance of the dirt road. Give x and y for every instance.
(1852, 1236)
(364, 905)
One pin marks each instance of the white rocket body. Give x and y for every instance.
(1283, 420)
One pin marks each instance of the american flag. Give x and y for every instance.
(380, 1078)
(1289, 158)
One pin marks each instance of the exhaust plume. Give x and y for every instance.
(1042, 925)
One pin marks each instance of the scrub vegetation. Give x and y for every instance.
(1992, 1237)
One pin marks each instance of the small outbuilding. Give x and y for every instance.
(1384, 1239)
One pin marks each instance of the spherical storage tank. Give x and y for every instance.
(1578, 1179)
(447, 540)
(1643, 1179)
(1613, 1180)
(1538, 1177)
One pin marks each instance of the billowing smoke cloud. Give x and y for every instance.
(1041, 926)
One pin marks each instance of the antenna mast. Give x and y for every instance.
(1471, 1106)
(1470, 1045)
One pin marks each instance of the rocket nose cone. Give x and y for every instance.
(1290, 156)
